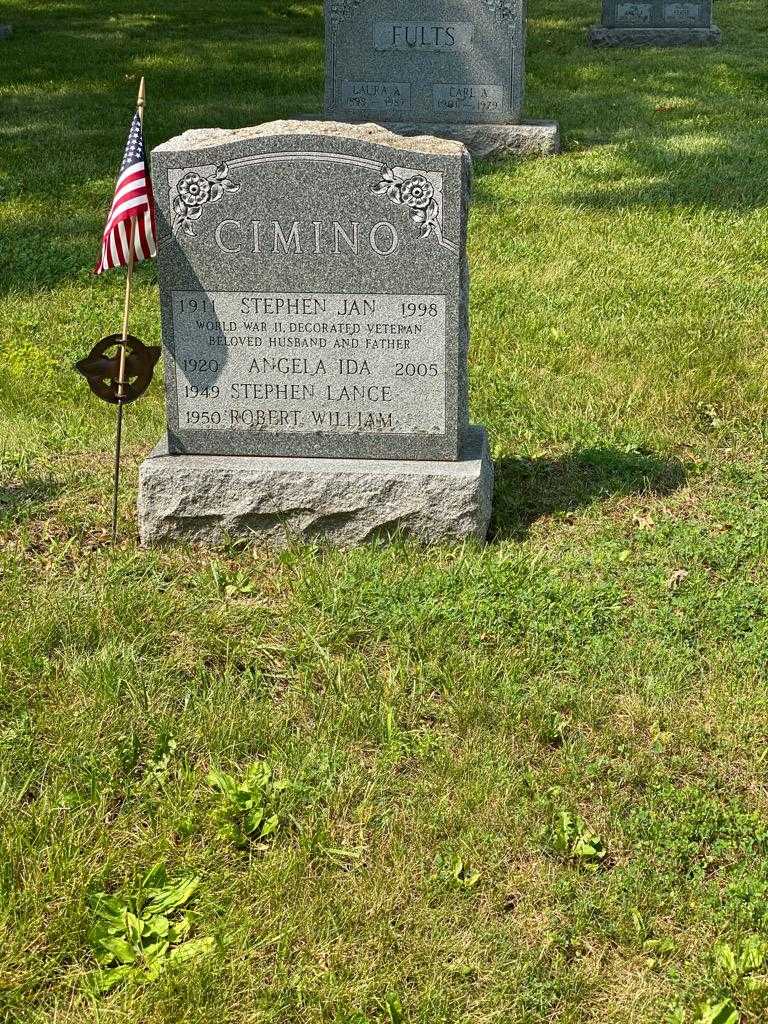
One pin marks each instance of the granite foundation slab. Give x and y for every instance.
(486, 141)
(599, 35)
(343, 503)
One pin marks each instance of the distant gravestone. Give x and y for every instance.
(313, 289)
(6, 31)
(453, 68)
(656, 23)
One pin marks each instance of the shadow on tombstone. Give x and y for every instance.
(526, 489)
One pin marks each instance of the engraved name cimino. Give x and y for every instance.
(334, 238)
(418, 192)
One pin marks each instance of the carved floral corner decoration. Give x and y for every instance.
(416, 192)
(501, 8)
(194, 191)
(341, 9)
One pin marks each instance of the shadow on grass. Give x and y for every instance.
(688, 124)
(528, 489)
(682, 128)
(19, 502)
(75, 69)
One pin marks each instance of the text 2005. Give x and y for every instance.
(415, 369)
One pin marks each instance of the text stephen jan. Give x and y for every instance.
(307, 305)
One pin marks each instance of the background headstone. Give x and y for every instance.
(453, 68)
(656, 23)
(313, 290)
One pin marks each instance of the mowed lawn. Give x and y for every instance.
(520, 783)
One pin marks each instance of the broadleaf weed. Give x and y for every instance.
(247, 811)
(138, 933)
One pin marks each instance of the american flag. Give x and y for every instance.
(133, 200)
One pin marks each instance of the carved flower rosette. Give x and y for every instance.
(501, 8)
(338, 10)
(196, 191)
(415, 192)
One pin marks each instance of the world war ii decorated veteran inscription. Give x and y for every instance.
(425, 61)
(313, 292)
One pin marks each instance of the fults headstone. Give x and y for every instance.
(453, 68)
(656, 23)
(313, 289)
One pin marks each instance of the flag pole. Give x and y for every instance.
(121, 382)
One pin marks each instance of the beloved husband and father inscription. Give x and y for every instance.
(313, 290)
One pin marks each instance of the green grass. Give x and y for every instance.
(435, 712)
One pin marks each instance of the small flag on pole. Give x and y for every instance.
(129, 238)
(133, 199)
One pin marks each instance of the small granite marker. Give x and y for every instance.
(313, 289)
(451, 68)
(655, 23)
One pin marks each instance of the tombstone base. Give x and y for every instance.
(205, 499)
(529, 138)
(599, 35)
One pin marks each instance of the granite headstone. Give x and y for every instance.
(313, 291)
(656, 23)
(454, 68)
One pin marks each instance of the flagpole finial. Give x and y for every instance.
(140, 100)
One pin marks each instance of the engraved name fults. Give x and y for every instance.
(392, 35)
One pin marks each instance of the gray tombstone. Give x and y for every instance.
(313, 291)
(453, 68)
(656, 23)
